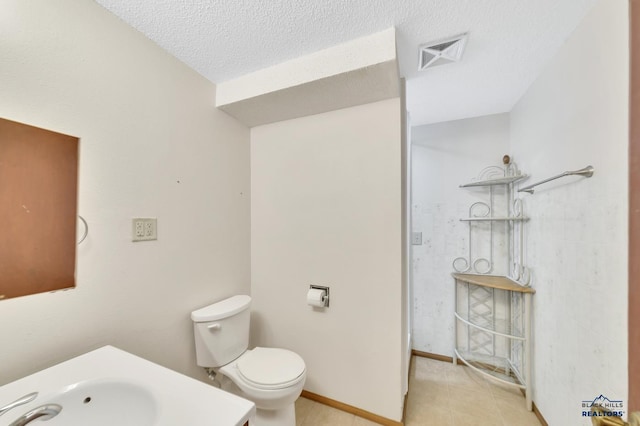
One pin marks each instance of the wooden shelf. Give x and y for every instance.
(493, 281)
(490, 219)
(498, 181)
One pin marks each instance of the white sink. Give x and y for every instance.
(103, 402)
(109, 387)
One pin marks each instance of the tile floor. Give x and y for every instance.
(440, 394)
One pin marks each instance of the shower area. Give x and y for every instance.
(575, 239)
(471, 296)
(445, 156)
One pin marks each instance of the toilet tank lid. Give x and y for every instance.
(222, 309)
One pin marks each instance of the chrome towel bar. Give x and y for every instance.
(586, 172)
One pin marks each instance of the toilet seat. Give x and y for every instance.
(270, 368)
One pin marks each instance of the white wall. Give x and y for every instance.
(444, 156)
(152, 144)
(326, 209)
(576, 114)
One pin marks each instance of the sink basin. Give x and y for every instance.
(109, 387)
(104, 403)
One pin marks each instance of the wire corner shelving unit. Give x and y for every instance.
(493, 311)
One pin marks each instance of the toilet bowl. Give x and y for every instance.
(272, 378)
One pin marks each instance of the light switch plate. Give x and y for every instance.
(144, 229)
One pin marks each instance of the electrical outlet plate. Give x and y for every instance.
(416, 238)
(144, 229)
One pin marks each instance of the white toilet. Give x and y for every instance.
(272, 378)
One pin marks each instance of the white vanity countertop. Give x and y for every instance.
(181, 400)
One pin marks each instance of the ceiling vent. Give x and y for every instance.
(441, 52)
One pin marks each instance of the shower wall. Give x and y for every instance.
(444, 156)
(575, 114)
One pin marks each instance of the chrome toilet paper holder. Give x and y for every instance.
(326, 291)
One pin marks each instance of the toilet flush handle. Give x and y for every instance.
(214, 327)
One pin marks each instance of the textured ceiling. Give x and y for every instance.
(509, 41)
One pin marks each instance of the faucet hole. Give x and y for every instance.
(87, 400)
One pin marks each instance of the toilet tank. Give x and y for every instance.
(221, 331)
